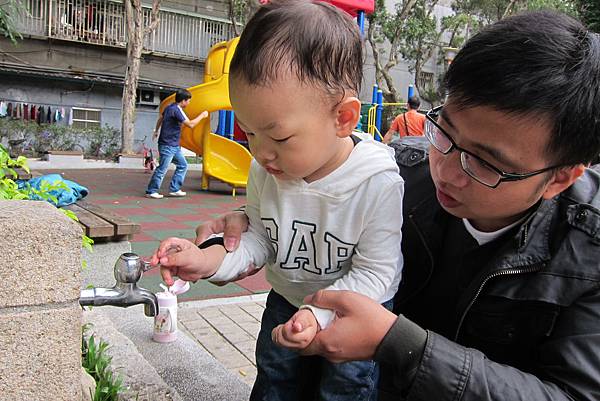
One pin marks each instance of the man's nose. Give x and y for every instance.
(450, 170)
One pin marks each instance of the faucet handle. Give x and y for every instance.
(129, 268)
(147, 266)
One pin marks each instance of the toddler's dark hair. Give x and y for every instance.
(314, 41)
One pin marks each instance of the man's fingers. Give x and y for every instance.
(328, 299)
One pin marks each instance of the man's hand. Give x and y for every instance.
(232, 225)
(203, 115)
(155, 135)
(298, 332)
(355, 334)
(181, 258)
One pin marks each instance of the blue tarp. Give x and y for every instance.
(65, 197)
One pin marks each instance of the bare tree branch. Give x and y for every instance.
(154, 19)
(232, 17)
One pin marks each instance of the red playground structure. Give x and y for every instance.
(352, 7)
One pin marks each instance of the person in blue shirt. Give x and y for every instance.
(169, 123)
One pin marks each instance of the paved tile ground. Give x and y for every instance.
(227, 331)
(122, 191)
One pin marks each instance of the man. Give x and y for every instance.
(169, 123)
(500, 298)
(410, 123)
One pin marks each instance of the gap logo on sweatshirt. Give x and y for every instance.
(302, 250)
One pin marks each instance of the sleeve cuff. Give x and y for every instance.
(403, 345)
(324, 316)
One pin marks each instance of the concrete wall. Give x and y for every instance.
(40, 316)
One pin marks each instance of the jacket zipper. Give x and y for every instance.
(505, 272)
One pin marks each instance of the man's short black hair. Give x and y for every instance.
(414, 102)
(182, 94)
(543, 65)
(314, 41)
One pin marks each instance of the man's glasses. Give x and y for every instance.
(477, 168)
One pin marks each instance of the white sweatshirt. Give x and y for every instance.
(341, 232)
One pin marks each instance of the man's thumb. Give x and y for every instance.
(321, 298)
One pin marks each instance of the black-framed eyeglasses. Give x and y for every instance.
(477, 168)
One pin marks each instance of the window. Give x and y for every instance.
(86, 118)
(425, 80)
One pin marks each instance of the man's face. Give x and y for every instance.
(514, 144)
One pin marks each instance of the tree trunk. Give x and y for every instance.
(382, 72)
(233, 18)
(135, 45)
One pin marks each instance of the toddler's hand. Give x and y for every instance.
(181, 258)
(298, 332)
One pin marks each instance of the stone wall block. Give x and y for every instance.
(41, 354)
(40, 250)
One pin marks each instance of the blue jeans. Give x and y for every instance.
(284, 375)
(168, 154)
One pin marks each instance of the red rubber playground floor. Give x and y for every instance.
(122, 191)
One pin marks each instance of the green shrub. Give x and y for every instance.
(96, 362)
(37, 139)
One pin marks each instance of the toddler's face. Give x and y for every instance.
(291, 127)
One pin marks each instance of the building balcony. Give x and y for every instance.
(103, 22)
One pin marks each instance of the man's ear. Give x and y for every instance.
(347, 116)
(562, 180)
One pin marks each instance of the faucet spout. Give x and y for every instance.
(128, 270)
(122, 296)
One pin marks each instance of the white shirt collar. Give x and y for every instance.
(483, 237)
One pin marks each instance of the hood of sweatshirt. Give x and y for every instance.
(368, 158)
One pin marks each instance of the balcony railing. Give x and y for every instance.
(103, 22)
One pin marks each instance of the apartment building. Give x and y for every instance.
(71, 60)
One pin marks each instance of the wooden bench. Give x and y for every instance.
(102, 225)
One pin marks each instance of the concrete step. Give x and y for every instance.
(181, 370)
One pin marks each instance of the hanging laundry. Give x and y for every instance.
(32, 114)
(62, 113)
(71, 116)
(40, 115)
(25, 112)
(3, 109)
(9, 109)
(19, 111)
(49, 116)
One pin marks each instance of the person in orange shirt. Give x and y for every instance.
(410, 123)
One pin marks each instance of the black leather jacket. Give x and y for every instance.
(530, 323)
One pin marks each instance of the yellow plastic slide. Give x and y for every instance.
(222, 158)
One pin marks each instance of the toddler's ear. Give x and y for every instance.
(347, 116)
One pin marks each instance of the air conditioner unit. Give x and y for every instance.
(148, 97)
